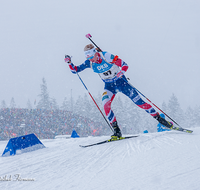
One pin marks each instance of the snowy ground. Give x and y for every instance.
(162, 161)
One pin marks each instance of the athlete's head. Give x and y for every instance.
(89, 51)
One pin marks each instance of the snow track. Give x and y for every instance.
(164, 161)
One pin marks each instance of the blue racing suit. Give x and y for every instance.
(111, 69)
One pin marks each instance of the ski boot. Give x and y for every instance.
(164, 122)
(117, 132)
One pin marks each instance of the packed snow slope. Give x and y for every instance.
(162, 161)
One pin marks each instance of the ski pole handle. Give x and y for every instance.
(88, 36)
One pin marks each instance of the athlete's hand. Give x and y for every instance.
(120, 74)
(67, 59)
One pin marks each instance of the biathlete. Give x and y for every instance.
(111, 70)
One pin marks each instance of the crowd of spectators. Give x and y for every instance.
(45, 124)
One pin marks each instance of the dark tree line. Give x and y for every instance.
(130, 118)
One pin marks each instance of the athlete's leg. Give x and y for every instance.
(107, 99)
(129, 91)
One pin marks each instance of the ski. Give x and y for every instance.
(107, 141)
(181, 129)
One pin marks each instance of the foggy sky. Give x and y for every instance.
(159, 40)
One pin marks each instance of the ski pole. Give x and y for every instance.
(89, 37)
(153, 104)
(93, 99)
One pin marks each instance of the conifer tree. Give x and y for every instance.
(54, 104)
(197, 115)
(12, 103)
(86, 105)
(190, 118)
(29, 106)
(175, 111)
(65, 105)
(44, 102)
(78, 107)
(131, 117)
(3, 104)
(120, 112)
(164, 107)
(95, 113)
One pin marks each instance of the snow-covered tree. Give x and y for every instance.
(28, 105)
(65, 104)
(190, 119)
(44, 102)
(164, 107)
(120, 112)
(12, 103)
(197, 115)
(3, 104)
(95, 114)
(54, 104)
(132, 117)
(175, 111)
(86, 109)
(78, 107)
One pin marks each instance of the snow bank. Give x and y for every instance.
(164, 161)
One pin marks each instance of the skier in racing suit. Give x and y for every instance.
(111, 70)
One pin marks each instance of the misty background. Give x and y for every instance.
(159, 40)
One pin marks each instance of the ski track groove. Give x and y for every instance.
(144, 143)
